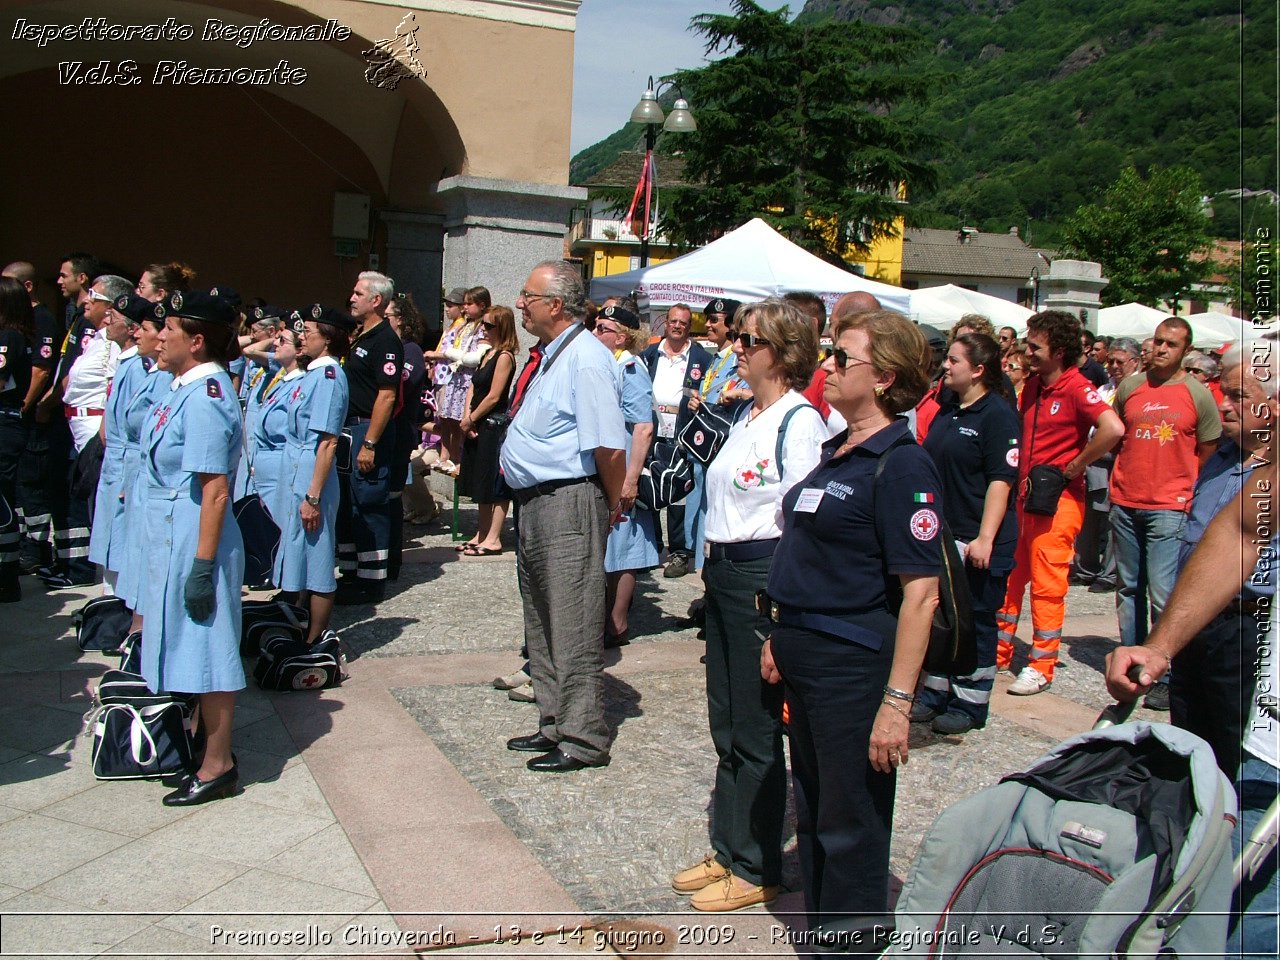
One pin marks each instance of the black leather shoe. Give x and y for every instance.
(534, 743)
(177, 779)
(180, 779)
(196, 791)
(558, 762)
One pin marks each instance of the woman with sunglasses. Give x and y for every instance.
(314, 408)
(484, 425)
(853, 589)
(974, 444)
(633, 542)
(1016, 368)
(772, 445)
(106, 538)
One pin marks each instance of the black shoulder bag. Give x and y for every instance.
(953, 641)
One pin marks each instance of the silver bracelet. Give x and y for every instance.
(890, 703)
(899, 694)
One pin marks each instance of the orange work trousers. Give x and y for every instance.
(1043, 559)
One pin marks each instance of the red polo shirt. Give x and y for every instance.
(1056, 422)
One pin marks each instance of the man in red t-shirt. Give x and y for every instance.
(1171, 428)
(1059, 408)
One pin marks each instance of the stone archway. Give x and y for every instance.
(240, 179)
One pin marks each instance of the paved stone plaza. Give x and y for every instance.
(387, 814)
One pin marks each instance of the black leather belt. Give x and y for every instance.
(525, 494)
(352, 421)
(835, 626)
(741, 552)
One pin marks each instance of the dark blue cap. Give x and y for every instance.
(621, 315)
(267, 314)
(722, 305)
(201, 306)
(318, 312)
(226, 293)
(134, 307)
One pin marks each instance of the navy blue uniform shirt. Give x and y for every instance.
(972, 446)
(842, 540)
(47, 348)
(376, 362)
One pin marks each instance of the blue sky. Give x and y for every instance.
(619, 43)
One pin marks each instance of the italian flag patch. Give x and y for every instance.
(923, 498)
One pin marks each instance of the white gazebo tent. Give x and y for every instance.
(748, 264)
(943, 306)
(1129, 320)
(1211, 331)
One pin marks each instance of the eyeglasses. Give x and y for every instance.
(488, 324)
(526, 296)
(602, 329)
(844, 361)
(1198, 372)
(749, 340)
(95, 295)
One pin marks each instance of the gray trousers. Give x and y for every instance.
(561, 561)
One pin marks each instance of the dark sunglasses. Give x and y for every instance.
(844, 361)
(488, 324)
(749, 340)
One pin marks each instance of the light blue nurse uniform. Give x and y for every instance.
(317, 405)
(194, 430)
(108, 507)
(633, 543)
(127, 533)
(268, 437)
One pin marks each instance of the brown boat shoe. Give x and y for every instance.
(701, 874)
(731, 893)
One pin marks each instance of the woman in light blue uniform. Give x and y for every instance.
(129, 378)
(128, 536)
(195, 557)
(316, 409)
(256, 379)
(269, 433)
(633, 544)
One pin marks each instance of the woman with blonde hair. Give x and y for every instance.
(773, 444)
(484, 425)
(852, 594)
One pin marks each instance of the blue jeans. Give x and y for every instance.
(1257, 903)
(1146, 545)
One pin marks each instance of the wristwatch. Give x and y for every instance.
(314, 501)
(368, 446)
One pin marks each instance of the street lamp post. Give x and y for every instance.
(649, 112)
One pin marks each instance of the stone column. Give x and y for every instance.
(415, 258)
(1074, 286)
(497, 230)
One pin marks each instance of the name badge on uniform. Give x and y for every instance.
(808, 500)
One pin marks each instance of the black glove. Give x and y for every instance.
(199, 590)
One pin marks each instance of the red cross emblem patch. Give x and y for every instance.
(924, 525)
(162, 417)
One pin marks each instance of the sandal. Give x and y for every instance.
(474, 550)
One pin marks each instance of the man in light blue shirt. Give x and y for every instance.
(564, 458)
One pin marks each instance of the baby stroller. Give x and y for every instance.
(1115, 844)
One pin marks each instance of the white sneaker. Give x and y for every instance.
(1030, 681)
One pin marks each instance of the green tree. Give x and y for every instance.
(798, 126)
(1144, 233)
